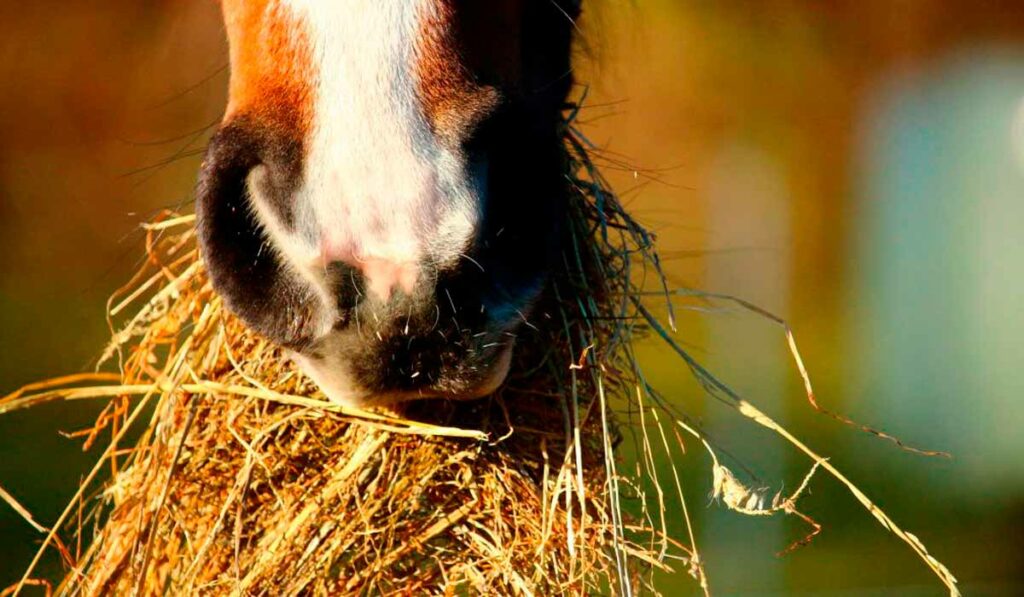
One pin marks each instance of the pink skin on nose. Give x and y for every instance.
(381, 275)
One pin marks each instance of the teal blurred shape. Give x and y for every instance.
(937, 294)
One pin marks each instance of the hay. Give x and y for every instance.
(244, 480)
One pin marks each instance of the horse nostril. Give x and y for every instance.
(255, 283)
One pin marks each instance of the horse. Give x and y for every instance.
(385, 195)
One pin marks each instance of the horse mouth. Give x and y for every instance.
(369, 377)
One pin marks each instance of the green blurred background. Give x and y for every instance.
(856, 167)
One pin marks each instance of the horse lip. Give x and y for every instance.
(333, 380)
(499, 372)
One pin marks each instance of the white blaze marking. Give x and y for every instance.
(378, 187)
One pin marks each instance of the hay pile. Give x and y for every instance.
(245, 480)
(239, 478)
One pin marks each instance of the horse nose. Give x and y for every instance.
(381, 275)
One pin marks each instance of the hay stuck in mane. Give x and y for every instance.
(245, 480)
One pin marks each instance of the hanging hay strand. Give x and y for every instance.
(240, 478)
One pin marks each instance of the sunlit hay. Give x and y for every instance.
(225, 471)
(245, 480)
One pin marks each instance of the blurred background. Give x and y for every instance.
(856, 167)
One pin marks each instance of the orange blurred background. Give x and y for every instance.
(855, 167)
